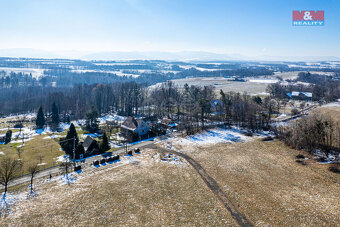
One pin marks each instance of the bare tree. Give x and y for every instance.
(9, 168)
(33, 170)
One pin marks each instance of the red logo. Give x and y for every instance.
(308, 15)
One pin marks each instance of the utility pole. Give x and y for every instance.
(74, 150)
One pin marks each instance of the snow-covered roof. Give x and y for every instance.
(308, 94)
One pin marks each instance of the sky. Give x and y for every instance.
(246, 27)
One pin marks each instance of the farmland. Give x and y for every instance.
(268, 185)
(145, 192)
(261, 178)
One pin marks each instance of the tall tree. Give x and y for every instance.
(55, 116)
(91, 120)
(8, 136)
(71, 141)
(104, 146)
(40, 121)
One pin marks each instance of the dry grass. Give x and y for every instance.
(333, 112)
(262, 178)
(146, 193)
(270, 188)
(4, 131)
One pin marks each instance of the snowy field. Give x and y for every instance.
(252, 88)
(332, 104)
(264, 81)
(36, 73)
(111, 117)
(118, 73)
(207, 138)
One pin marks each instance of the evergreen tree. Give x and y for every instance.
(104, 146)
(91, 120)
(68, 119)
(55, 115)
(8, 136)
(40, 121)
(68, 143)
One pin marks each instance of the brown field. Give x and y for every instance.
(269, 187)
(146, 193)
(261, 178)
(333, 112)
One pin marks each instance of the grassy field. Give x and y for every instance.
(261, 178)
(333, 112)
(36, 150)
(39, 150)
(269, 187)
(144, 193)
(13, 131)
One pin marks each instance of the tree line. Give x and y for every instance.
(322, 88)
(312, 132)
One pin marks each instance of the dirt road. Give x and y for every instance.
(211, 183)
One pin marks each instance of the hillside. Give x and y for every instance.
(262, 179)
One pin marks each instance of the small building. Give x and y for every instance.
(161, 127)
(134, 130)
(111, 123)
(91, 146)
(307, 96)
(166, 121)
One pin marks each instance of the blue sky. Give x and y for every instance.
(241, 27)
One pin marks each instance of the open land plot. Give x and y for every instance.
(35, 151)
(262, 179)
(332, 110)
(269, 186)
(145, 192)
(253, 88)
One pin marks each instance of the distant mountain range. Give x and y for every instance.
(153, 55)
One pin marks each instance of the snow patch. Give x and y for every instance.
(332, 104)
(213, 136)
(264, 81)
(62, 158)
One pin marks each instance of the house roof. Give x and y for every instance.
(307, 94)
(131, 123)
(87, 143)
(166, 121)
